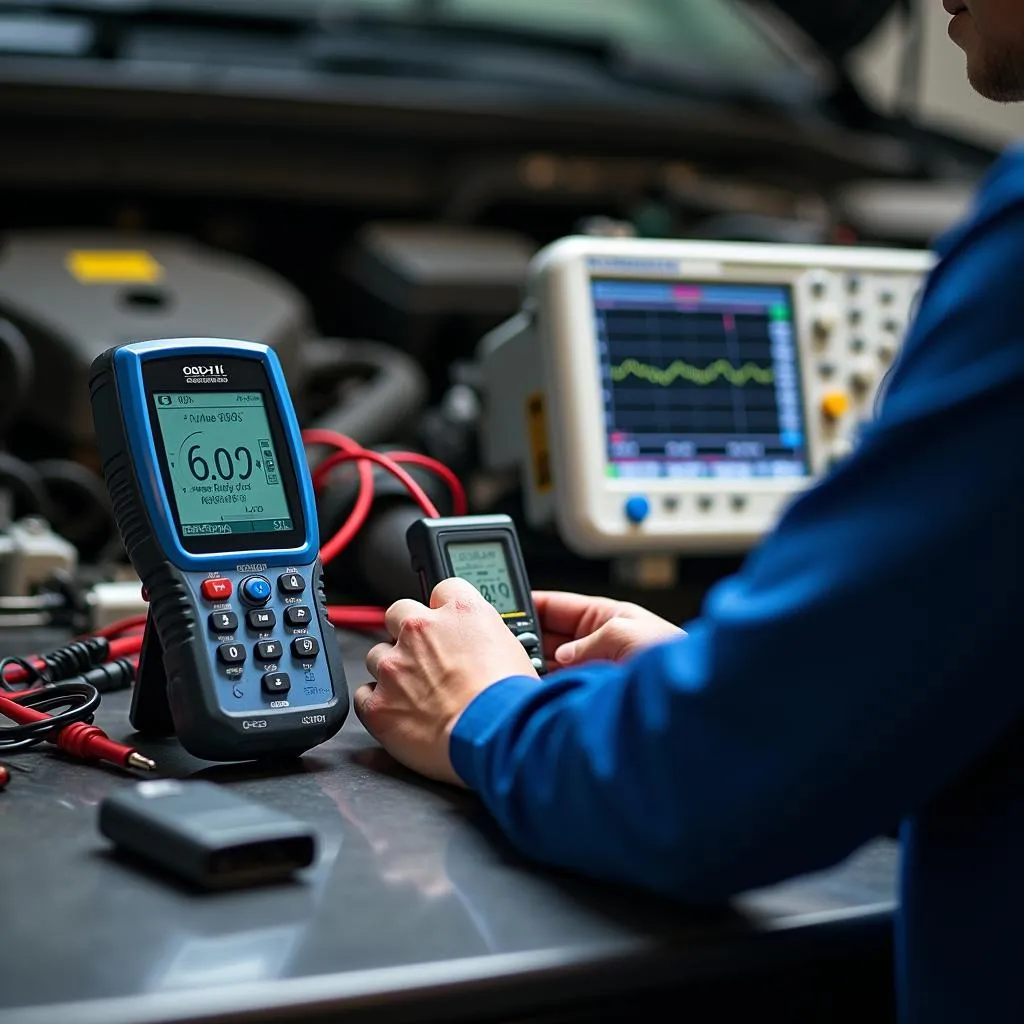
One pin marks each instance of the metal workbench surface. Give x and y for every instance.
(413, 899)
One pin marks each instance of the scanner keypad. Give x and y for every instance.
(268, 656)
(270, 650)
(261, 620)
(297, 615)
(223, 622)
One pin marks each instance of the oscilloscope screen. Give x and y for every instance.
(699, 380)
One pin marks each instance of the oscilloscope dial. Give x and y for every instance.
(870, 311)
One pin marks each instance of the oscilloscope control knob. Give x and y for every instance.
(861, 380)
(824, 325)
(637, 509)
(834, 405)
(819, 287)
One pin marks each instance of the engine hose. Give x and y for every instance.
(376, 408)
(28, 492)
(80, 505)
(17, 371)
(376, 566)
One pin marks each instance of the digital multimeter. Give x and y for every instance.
(484, 551)
(204, 462)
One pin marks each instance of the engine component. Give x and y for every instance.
(374, 389)
(75, 294)
(418, 275)
(31, 554)
(17, 369)
(22, 491)
(375, 566)
(114, 601)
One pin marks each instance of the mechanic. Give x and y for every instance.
(859, 671)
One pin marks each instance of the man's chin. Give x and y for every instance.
(1000, 82)
(997, 91)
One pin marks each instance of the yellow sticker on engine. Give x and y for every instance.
(113, 266)
(537, 436)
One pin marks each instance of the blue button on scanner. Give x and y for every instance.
(638, 508)
(256, 590)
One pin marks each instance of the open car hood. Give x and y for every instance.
(837, 26)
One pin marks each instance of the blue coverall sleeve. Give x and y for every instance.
(865, 655)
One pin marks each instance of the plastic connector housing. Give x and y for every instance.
(31, 554)
(111, 602)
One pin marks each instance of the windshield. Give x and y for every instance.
(715, 35)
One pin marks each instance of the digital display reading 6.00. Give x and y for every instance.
(485, 565)
(225, 474)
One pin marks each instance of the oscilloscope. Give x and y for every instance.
(673, 396)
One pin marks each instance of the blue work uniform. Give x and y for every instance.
(862, 669)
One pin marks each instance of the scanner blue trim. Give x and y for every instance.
(128, 363)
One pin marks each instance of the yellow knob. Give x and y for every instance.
(834, 405)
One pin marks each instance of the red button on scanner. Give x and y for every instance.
(216, 590)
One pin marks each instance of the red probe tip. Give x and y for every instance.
(90, 742)
(5, 777)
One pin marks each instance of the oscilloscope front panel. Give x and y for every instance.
(688, 390)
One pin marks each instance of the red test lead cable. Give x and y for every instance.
(347, 450)
(416, 492)
(61, 714)
(79, 739)
(460, 504)
(356, 617)
(69, 662)
(364, 500)
(116, 629)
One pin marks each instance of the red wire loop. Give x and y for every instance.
(347, 450)
(417, 493)
(460, 505)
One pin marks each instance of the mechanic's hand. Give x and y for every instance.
(441, 658)
(579, 629)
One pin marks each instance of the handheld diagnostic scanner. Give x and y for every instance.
(673, 397)
(204, 462)
(484, 551)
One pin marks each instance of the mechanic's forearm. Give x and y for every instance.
(636, 773)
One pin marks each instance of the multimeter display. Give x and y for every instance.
(485, 565)
(225, 473)
(484, 551)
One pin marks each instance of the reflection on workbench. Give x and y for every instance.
(414, 903)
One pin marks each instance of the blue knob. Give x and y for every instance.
(256, 590)
(638, 508)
